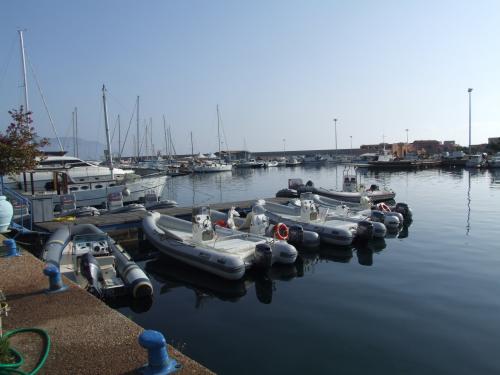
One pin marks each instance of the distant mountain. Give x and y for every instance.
(88, 150)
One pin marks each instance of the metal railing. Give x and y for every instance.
(22, 209)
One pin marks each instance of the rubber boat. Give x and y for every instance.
(335, 209)
(381, 211)
(297, 187)
(330, 230)
(257, 222)
(89, 257)
(221, 251)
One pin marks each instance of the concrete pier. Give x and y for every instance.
(88, 337)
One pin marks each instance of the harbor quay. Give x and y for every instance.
(86, 336)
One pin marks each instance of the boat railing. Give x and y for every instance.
(22, 208)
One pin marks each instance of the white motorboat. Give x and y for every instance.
(475, 161)
(330, 230)
(292, 162)
(251, 163)
(257, 222)
(212, 166)
(221, 251)
(90, 258)
(314, 159)
(495, 161)
(271, 163)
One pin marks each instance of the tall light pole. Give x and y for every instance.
(335, 121)
(351, 141)
(469, 91)
(284, 143)
(407, 135)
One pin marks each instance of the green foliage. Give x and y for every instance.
(5, 353)
(19, 147)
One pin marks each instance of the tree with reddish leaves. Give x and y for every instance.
(19, 145)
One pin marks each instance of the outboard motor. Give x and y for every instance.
(90, 269)
(263, 255)
(287, 193)
(373, 187)
(365, 231)
(377, 216)
(404, 210)
(201, 224)
(298, 236)
(310, 183)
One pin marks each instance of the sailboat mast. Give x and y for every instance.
(165, 135)
(119, 140)
(108, 141)
(151, 137)
(76, 131)
(218, 128)
(25, 81)
(192, 148)
(137, 136)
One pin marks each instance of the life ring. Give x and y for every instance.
(281, 231)
(383, 207)
(221, 223)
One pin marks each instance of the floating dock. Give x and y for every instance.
(87, 336)
(130, 220)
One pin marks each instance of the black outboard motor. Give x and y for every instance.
(404, 210)
(298, 236)
(373, 187)
(263, 256)
(365, 231)
(310, 183)
(90, 269)
(377, 216)
(295, 234)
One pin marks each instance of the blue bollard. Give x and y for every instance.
(159, 363)
(10, 244)
(55, 280)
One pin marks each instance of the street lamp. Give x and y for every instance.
(335, 121)
(284, 142)
(469, 91)
(351, 141)
(407, 135)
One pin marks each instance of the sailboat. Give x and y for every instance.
(213, 165)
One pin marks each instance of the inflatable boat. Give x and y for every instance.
(335, 209)
(218, 250)
(257, 222)
(89, 257)
(297, 187)
(331, 231)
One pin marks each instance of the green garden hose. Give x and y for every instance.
(13, 368)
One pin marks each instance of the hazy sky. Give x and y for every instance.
(277, 69)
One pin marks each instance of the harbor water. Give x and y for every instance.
(426, 301)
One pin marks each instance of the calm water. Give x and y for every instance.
(427, 301)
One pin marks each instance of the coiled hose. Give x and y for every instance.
(13, 368)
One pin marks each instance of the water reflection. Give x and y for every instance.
(467, 226)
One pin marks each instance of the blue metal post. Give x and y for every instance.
(159, 363)
(55, 280)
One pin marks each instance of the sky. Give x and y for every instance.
(279, 70)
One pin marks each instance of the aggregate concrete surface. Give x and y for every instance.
(88, 337)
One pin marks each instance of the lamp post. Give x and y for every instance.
(407, 135)
(351, 141)
(469, 91)
(335, 121)
(284, 143)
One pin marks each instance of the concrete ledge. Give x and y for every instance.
(88, 337)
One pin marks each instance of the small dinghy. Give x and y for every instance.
(379, 212)
(331, 231)
(296, 187)
(338, 210)
(257, 222)
(89, 257)
(221, 251)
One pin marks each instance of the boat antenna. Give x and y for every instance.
(108, 141)
(23, 62)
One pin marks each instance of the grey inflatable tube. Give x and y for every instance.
(132, 275)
